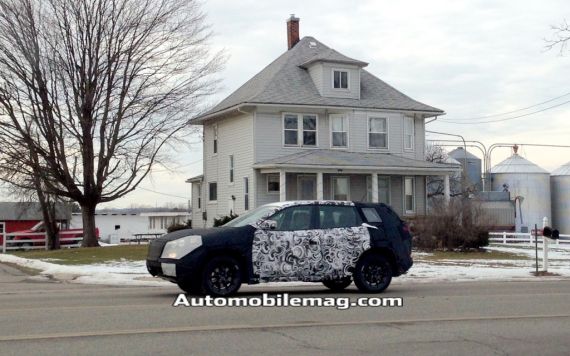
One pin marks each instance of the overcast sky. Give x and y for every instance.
(469, 58)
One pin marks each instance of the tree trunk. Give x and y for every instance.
(89, 228)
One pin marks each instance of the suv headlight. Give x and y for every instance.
(179, 248)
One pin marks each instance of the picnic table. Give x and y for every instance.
(145, 237)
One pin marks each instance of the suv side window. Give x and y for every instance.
(294, 218)
(371, 215)
(335, 216)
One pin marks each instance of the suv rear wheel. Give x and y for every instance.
(373, 273)
(222, 276)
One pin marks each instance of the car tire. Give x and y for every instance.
(337, 285)
(373, 273)
(222, 276)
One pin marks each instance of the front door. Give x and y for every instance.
(307, 187)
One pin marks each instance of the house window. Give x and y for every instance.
(377, 132)
(291, 126)
(199, 187)
(273, 183)
(408, 133)
(231, 168)
(341, 188)
(340, 79)
(213, 191)
(303, 133)
(339, 131)
(383, 189)
(246, 193)
(409, 195)
(215, 138)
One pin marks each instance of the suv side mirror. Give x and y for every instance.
(268, 225)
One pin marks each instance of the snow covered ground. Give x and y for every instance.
(135, 273)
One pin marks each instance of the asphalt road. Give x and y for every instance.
(52, 318)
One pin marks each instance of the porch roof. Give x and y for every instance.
(320, 160)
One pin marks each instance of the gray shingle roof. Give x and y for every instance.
(285, 82)
(316, 158)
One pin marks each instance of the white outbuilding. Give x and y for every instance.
(529, 188)
(560, 187)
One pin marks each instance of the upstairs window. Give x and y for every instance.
(377, 132)
(215, 138)
(231, 168)
(300, 130)
(340, 79)
(339, 131)
(408, 133)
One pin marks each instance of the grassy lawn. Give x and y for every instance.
(79, 256)
(475, 255)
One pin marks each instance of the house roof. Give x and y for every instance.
(195, 179)
(334, 159)
(29, 211)
(286, 82)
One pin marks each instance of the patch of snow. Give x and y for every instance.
(134, 273)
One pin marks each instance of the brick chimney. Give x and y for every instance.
(292, 31)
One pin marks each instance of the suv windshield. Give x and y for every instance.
(252, 216)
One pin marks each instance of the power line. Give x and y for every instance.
(506, 119)
(512, 111)
(161, 193)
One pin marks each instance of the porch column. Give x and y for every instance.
(282, 186)
(320, 188)
(446, 190)
(374, 188)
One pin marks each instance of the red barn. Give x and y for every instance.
(17, 216)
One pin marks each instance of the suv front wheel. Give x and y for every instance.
(373, 273)
(222, 276)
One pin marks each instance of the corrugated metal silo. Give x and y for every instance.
(470, 164)
(529, 185)
(560, 187)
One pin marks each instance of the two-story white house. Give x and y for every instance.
(313, 124)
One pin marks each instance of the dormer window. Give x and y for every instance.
(340, 79)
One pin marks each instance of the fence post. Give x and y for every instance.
(46, 240)
(545, 246)
(4, 240)
(504, 237)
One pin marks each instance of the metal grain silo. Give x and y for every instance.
(529, 187)
(471, 165)
(560, 187)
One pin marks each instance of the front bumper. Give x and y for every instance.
(170, 269)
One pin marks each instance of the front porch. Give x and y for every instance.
(396, 181)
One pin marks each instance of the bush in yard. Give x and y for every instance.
(176, 227)
(224, 219)
(457, 226)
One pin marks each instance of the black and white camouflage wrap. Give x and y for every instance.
(311, 255)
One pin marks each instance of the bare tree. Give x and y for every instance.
(561, 37)
(94, 93)
(435, 184)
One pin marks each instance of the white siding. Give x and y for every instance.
(234, 138)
